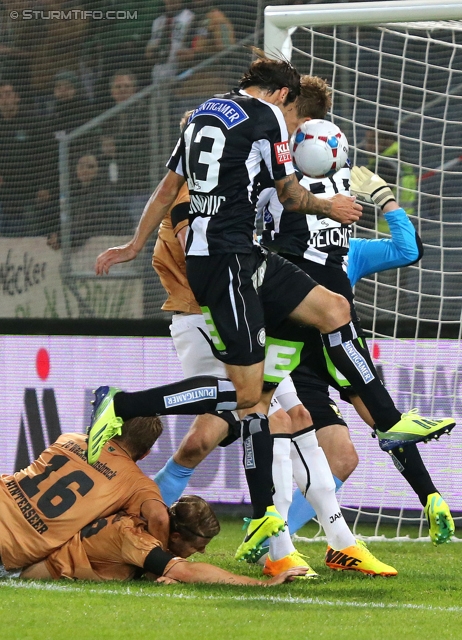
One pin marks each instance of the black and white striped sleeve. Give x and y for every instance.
(275, 145)
(175, 162)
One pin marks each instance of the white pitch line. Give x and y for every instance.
(141, 593)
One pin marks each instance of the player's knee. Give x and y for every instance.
(193, 450)
(344, 464)
(300, 418)
(351, 461)
(247, 398)
(280, 422)
(336, 313)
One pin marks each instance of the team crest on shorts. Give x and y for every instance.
(336, 410)
(261, 337)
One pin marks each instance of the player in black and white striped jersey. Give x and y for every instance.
(320, 247)
(320, 240)
(241, 287)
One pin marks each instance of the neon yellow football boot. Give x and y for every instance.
(104, 422)
(413, 428)
(294, 559)
(257, 530)
(440, 523)
(357, 558)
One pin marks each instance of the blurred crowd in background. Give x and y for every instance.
(57, 74)
(398, 100)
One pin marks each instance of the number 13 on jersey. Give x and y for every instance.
(203, 151)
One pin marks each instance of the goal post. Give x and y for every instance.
(280, 21)
(397, 78)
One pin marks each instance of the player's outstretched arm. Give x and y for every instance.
(294, 197)
(154, 212)
(371, 256)
(202, 572)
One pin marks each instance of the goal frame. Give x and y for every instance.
(280, 21)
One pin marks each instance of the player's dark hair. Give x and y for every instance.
(272, 75)
(139, 435)
(192, 517)
(315, 98)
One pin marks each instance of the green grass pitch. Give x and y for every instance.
(424, 601)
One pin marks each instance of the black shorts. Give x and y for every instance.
(313, 393)
(333, 278)
(315, 364)
(314, 361)
(316, 372)
(242, 296)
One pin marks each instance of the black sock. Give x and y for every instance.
(353, 361)
(258, 461)
(201, 394)
(234, 426)
(411, 466)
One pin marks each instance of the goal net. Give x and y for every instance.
(397, 95)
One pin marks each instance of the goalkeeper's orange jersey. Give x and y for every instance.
(169, 262)
(108, 549)
(44, 505)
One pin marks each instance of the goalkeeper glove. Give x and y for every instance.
(370, 187)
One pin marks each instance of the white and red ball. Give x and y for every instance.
(319, 148)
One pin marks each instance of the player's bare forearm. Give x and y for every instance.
(158, 520)
(294, 197)
(157, 207)
(392, 205)
(154, 212)
(202, 572)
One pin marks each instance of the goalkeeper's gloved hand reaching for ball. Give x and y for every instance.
(370, 187)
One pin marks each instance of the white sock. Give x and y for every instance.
(314, 479)
(281, 545)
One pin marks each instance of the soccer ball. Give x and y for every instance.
(319, 148)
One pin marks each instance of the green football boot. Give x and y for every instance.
(104, 422)
(413, 428)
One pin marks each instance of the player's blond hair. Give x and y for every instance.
(192, 517)
(139, 435)
(315, 98)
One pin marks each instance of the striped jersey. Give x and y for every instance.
(312, 237)
(219, 153)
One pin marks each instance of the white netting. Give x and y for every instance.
(409, 80)
(91, 96)
(397, 94)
